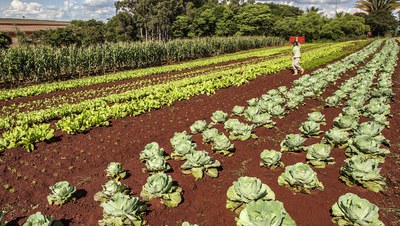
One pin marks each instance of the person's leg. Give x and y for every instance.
(294, 66)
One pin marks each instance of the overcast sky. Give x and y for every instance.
(67, 10)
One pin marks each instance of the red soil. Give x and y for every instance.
(82, 159)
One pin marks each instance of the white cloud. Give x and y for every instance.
(70, 10)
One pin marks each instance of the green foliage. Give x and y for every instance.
(293, 142)
(300, 177)
(185, 223)
(38, 219)
(245, 190)
(151, 150)
(62, 192)
(318, 155)
(115, 171)
(271, 159)
(209, 134)
(345, 122)
(160, 185)
(350, 209)
(317, 117)
(182, 149)
(109, 189)
(157, 164)
(261, 212)
(199, 162)
(336, 137)
(198, 126)
(310, 128)
(222, 145)
(85, 121)
(2, 213)
(219, 116)
(5, 41)
(238, 110)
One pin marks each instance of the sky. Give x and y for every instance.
(66, 10)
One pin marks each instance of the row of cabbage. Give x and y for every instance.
(23, 130)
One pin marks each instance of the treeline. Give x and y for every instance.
(142, 20)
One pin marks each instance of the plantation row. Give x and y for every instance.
(252, 201)
(38, 64)
(75, 118)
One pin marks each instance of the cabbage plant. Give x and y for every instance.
(350, 209)
(238, 110)
(245, 190)
(157, 164)
(372, 129)
(151, 150)
(262, 213)
(300, 177)
(380, 119)
(109, 189)
(376, 107)
(363, 171)
(250, 112)
(198, 126)
(336, 137)
(271, 159)
(230, 124)
(317, 117)
(198, 163)
(160, 185)
(38, 219)
(318, 155)
(209, 134)
(219, 116)
(115, 171)
(178, 137)
(223, 145)
(333, 101)
(263, 119)
(61, 192)
(345, 122)
(185, 223)
(293, 142)
(368, 146)
(183, 148)
(310, 128)
(278, 111)
(122, 209)
(252, 102)
(351, 111)
(241, 131)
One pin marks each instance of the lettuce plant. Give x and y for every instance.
(351, 111)
(209, 134)
(178, 137)
(350, 209)
(310, 128)
(380, 119)
(238, 110)
(318, 155)
(198, 163)
(151, 150)
(283, 89)
(198, 126)
(185, 223)
(345, 122)
(271, 159)
(219, 116)
(183, 148)
(62, 192)
(368, 146)
(317, 117)
(252, 102)
(278, 111)
(230, 124)
(241, 131)
(115, 171)
(292, 104)
(363, 171)
(333, 101)
(38, 219)
(293, 142)
(245, 190)
(250, 112)
(376, 107)
(223, 145)
(261, 213)
(372, 129)
(336, 137)
(300, 177)
(122, 209)
(157, 164)
(160, 185)
(263, 119)
(109, 189)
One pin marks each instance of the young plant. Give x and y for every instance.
(278, 111)
(223, 145)
(242, 132)
(261, 212)
(368, 146)
(245, 190)
(160, 185)
(271, 159)
(310, 129)
(345, 122)
(293, 142)
(363, 171)
(209, 134)
(263, 119)
(109, 189)
(38, 219)
(372, 129)
(219, 117)
(333, 101)
(115, 171)
(178, 137)
(250, 112)
(317, 117)
(157, 164)
(62, 192)
(336, 137)
(122, 209)
(198, 163)
(185, 223)
(182, 149)
(300, 177)
(238, 110)
(151, 150)
(198, 126)
(353, 210)
(318, 155)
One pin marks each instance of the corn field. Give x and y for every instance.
(33, 64)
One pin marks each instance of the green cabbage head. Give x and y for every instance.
(300, 177)
(293, 142)
(160, 185)
(115, 171)
(271, 159)
(345, 122)
(310, 128)
(198, 126)
(238, 110)
(157, 164)
(178, 137)
(109, 189)
(318, 155)
(209, 134)
(317, 117)
(263, 119)
(38, 219)
(198, 163)
(151, 150)
(353, 210)
(219, 116)
(183, 148)
(223, 145)
(61, 192)
(368, 146)
(336, 137)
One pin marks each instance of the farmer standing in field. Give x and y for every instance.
(296, 55)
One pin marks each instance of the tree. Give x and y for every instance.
(312, 9)
(371, 6)
(5, 41)
(381, 22)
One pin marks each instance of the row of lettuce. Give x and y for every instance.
(252, 201)
(25, 129)
(41, 63)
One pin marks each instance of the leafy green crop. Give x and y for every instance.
(178, 137)
(318, 155)
(345, 122)
(62, 192)
(353, 210)
(198, 126)
(157, 164)
(245, 190)
(160, 185)
(109, 189)
(263, 119)
(336, 137)
(317, 117)
(223, 145)
(2, 213)
(238, 110)
(219, 116)
(115, 171)
(368, 146)
(185, 223)
(182, 149)
(293, 142)
(271, 159)
(151, 150)
(300, 177)
(310, 128)
(209, 134)
(198, 163)
(38, 219)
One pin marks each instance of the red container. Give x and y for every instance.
(301, 39)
